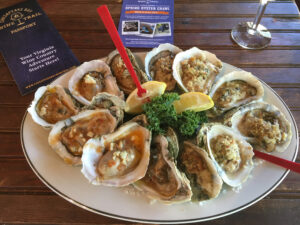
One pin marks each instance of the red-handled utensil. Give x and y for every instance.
(112, 30)
(278, 161)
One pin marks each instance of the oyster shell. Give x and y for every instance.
(234, 89)
(68, 137)
(261, 124)
(163, 181)
(196, 70)
(158, 64)
(173, 145)
(230, 153)
(120, 72)
(92, 78)
(199, 168)
(113, 103)
(52, 104)
(117, 159)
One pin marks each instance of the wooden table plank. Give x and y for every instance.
(220, 24)
(53, 209)
(281, 76)
(96, 39)
(193, 9)
(181, 10)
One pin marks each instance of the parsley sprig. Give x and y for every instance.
(161, 113)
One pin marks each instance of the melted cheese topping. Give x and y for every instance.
(197, 73)
(55, 105)
(226, 152)
(76, 135)
(265, 127)
(161, 69)
(233, 92)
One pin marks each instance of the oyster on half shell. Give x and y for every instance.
(200, 170)
(120, 72)
(158, 64)
(117, 159)
(113, 103)
(234, 89)
(261, 124)
(196, 70)
(68, 137)
(230, 153)
(163, 181)
(52, 104)
(92, 78)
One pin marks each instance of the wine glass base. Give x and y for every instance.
(246, 37)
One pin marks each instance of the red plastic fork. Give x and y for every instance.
(278, 161)
(114, 35)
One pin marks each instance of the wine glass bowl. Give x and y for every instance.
(247, 37)
(252, 35)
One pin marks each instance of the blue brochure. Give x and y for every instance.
(146, 23)
(32, 48)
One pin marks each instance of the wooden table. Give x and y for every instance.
(202, 23)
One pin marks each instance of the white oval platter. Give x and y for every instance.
(69, 183)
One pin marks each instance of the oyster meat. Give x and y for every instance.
(199, 168)
(231, 154)
(68, 137)
(158, 64)
(117, 159)
(120, 72)
(196, 70)
(163, 181)
(235, 89)
(113, 103)
(52, 104)
(92, 78)
(262, 124)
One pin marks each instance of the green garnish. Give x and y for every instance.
(161, 113)
(188, 121)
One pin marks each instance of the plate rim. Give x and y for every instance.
(132, 219)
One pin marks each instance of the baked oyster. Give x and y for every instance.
(158, 64)
(234, 89)
(196, 70)
(201, 171)
(52, 104)
(163, 181)
(230, 153)
(113, 103)
(117, 159)
(92, 78)
(261, 124)
(120, 72)
(68, 137)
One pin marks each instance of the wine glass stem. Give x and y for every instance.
(260, 12)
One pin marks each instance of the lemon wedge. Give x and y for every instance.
(196, 101)
(134, 103)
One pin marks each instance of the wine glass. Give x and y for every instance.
(252, 35)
